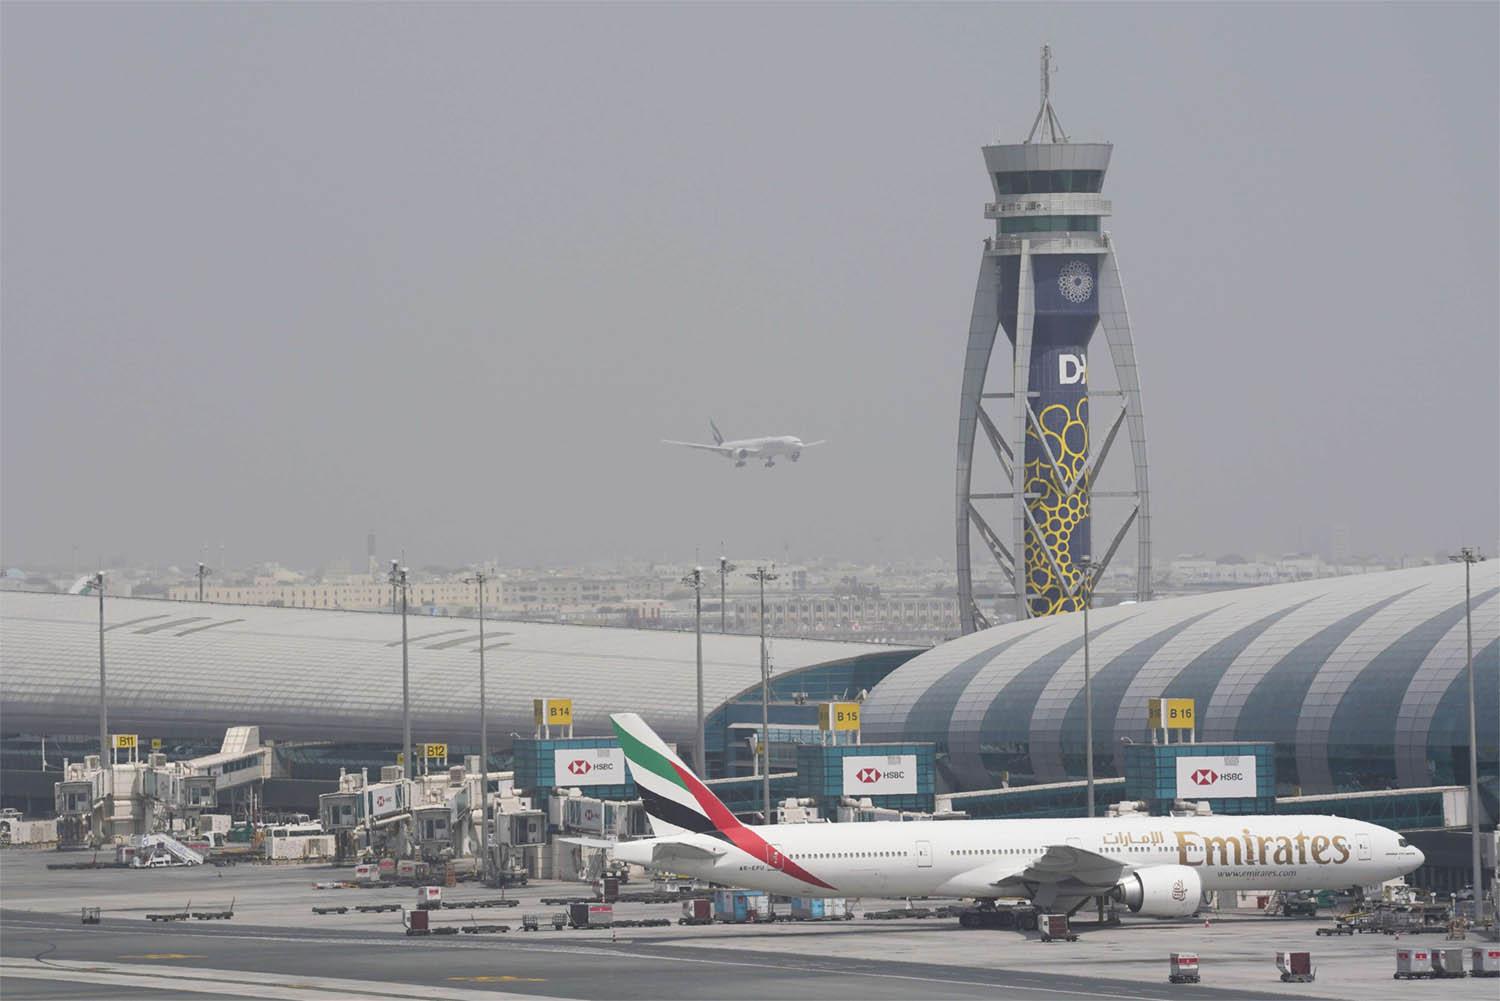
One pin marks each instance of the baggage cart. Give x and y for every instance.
(90, 916)
(1448, 964)
(416, 923)
(1413, 963)
(586, 915)
(698, 911)
(1054, 928)
(1183, 968)
(429, 898)
(1484, 961)
(1296, 967)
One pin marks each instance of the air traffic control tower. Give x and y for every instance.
(1048, 277)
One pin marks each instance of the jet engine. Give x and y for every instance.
(1161, 891)
(742, 454)
(796, 456)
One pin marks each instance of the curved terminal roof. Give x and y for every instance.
(1361, 681)
(196, 668)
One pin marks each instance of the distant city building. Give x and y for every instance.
(907, 619)
(356, 593)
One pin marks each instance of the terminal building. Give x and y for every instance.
(325, 685)
(1349, 695)
(1359, 681)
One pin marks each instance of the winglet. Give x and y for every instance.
(718, 437)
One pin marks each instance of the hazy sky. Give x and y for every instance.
(276, 274)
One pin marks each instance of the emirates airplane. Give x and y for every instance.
(768, 449)
(1157, 866)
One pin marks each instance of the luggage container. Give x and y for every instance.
(1183, 968)
(809, 908)
(1448, 963)
(1414, 963)
(1296, 967)
(1054, 928)
(583, 915)
(698, 911)
(366, 873)
(416, 923)
(429, 898)
(1484, 961)
(740, 906)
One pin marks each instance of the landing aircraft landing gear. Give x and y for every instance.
(1007, 917)
(770, 463)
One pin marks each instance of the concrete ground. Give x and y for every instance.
(275, 947)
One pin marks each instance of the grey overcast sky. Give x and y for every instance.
(277, 274)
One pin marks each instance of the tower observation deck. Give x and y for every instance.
(1049, 278)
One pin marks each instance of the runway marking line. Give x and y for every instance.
(500, 978)
(163, 955)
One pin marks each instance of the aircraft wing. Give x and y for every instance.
(589, 842)
(665, 853)
(693, 444)
(810, 444)
(1062, 873)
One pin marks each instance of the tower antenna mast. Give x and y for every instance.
(1054, 131)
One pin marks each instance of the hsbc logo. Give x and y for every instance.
(579, 767)
(880, 775)
(1216, 777)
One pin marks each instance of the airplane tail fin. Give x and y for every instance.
(676, 801)
(718, 436)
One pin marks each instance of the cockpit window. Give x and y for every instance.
(1403, 842)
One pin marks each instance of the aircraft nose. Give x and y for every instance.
(1421, 859)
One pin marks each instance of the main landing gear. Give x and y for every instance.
(1007, 917)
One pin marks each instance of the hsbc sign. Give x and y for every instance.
(1216, 777)
(880, 775)
(589, 766)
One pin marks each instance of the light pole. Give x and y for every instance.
(1468, 556)
(203, 573)
(1086, 567)
(479, 579)
(694, 580)
(725, 569)
(103, 704)
(760, 576)
(398, 580)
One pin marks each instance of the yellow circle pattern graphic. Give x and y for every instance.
(1056, 512)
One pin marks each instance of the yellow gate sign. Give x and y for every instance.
(125, 741)
(838, 716)
(552, 712)
(156, 743)
(435, 751)
(1170, 714)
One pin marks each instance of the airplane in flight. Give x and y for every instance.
(740, 451)
(1156, 866)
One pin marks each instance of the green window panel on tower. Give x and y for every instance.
(1037, 182)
